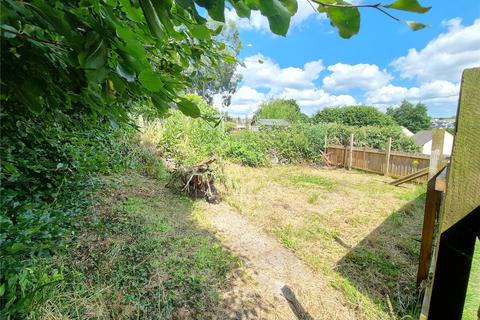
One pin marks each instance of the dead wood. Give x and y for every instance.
(196, 181)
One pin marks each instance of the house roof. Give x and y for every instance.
(406, 132)
(272, 122)
(423, 136)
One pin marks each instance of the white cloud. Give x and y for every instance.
(361, 76)
(260, 23)
(444, 57)
(312, 100)
(262, 72)
(245, 101)
(438, 93)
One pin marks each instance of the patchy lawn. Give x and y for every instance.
(351, 227)
(146, 258)
(299, 232)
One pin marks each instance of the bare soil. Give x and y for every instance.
(287, 288)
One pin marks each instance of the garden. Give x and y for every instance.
(105, 105)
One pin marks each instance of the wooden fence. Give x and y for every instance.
(399, 163)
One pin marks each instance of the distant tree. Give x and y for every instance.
(222, 79)
(412, 117)
(286, 109)
(359, 116)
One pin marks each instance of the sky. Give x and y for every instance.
(381, 66)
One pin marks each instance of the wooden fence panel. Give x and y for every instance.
(372, 160)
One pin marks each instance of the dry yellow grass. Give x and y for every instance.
(351, 227)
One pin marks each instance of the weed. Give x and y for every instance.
(312, 199)
(313, 181)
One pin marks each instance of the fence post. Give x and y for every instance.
(436, 154)
(365, 158)
(387, 157)
(350, 153)
(432, 204)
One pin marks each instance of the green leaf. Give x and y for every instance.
(243, 11)
(150, 80)
(346, 20)
(229, 59)
(93, 57)
(5, 31)
(415, 25)
(278, 13)
(199, 31)
(160, 104)
(17, 246)
(135, 14)
(188, 108)
(10, 168)
(152, 18)
(2, 289)
(408, 5)
(217, 12)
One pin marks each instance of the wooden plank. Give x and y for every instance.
(387, 155)
(350, 153)
(432, 204)
(450, 265)
(410, 177)
(436, 153)
(463, 186)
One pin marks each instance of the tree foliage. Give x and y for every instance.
(359, 116)
(412, 117)
(286, 109)
(222, 80)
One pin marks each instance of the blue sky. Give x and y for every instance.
(381, 66)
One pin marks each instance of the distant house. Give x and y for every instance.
(269, 123)
(407, 132)
(424, 140)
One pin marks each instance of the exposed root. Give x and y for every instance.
(197, 181)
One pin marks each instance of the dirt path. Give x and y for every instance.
(286, 287)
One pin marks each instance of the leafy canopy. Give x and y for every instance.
(359, 116)
(412, 117)
(286, 109)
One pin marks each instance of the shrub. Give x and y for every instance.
(49, 169)
(189, 140)
(247, 147)
(354, 116)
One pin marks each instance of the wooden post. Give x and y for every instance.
(432, 205)
(350, 153)
(460, 214)
(387, 155)
(436, 154)
(365, 158)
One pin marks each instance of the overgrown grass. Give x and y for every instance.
(471, 310)
(145, 258)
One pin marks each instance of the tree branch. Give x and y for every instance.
(377, 6)
(29, 37)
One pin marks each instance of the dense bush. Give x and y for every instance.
(188, 140)
(247, 147)
(191, 140)
(354, 116)
(49, 169)
(287, 109)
